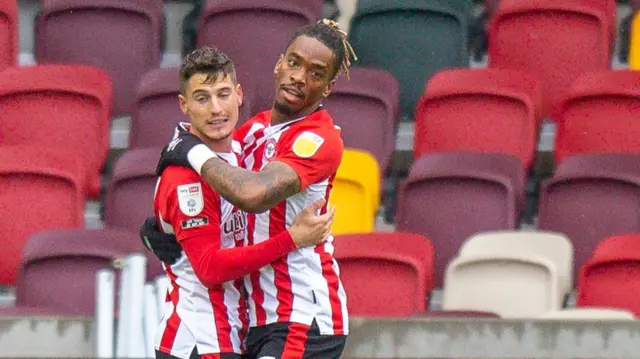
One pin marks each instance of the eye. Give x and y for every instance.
(316, 74)
(292, 63)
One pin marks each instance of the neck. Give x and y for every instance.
(278, 117)
(223, 145)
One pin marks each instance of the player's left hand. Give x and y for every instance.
(177, 151)
(164, 246)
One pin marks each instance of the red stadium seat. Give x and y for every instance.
(119, 36)
(591, 197)
(65, 106)
(8, 33)
(254, 33)
(129, 198)
(450, 196)
(41, 189)
(367, 110)
(557, 40)
(494, 111)
(403, 267)
(59, 267)
(611, 277)
(157, 111)
(600, 113)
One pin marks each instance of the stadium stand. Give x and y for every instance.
(494, 111)
(254, 34)
(403, 267)
(391, 36)
(93, 33)
(156, 111)
(599, 114)
(41, 189)
(66, 106)
(355, 193)
(476, 191)
(591, 197)
(610, 277)
(366, 109)
(8, 33)
(533, 36)
(589, 313)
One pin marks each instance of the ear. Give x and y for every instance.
(278, 63)
(183, 103)
(240, 94)
(327, 90)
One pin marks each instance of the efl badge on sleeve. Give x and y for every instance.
(190, 199)
(307, 144)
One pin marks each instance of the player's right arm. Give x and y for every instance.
(197, 229)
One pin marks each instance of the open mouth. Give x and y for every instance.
(218, 122)
(292, 94)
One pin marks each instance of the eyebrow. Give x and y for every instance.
(316, 64)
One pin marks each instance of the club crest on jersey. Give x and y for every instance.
(270, 149)
(307, 144)
(190, 199)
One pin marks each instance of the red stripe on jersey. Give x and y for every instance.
(221, 317)
(257, 294)
(282, 279)
(330, 275)
(173, 323)
(296, 341)
(246, 151)
(242, 311)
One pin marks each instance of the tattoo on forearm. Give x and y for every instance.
(274, 183)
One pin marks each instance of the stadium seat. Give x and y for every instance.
(589, 314)
(403, 267)
(129, 199)
(557, 40)
(255, 33)
(451, 196)
(65, 106)
(156, 110)
(611, 276)
(634, 41)
(412, 40)
(119, 36)
(552, 246)
(356, 193)
(591, 197)
(41, 189)
(455, 314)
(513, 285)
(8, 33)
(599, 114)
(494, 111)
(59, 267)
(367, 110)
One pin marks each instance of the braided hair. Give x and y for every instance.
(331, 35)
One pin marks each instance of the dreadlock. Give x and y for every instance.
(331, 35)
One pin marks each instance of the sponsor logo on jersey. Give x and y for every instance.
(307, 144)
(190, 199)
(194, 222)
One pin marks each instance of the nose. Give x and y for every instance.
(297, 75)
(216, 106)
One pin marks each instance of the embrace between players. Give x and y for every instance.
(241, 220)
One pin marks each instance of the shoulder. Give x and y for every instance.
(182, 181)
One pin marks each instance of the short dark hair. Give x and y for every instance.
(329, 33)
(208, 60)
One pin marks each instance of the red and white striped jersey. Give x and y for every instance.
(213, 319)
(305, 284)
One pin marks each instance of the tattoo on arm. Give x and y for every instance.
(251, 191)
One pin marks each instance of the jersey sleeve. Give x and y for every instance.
(314, 154)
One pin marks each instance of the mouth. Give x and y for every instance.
(217, 122)
(292, 94)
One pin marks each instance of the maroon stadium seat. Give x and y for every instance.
(157, 111)
(366, 108)
(119, 36)
(41, 189)
(254, 33)
(455, 314)
(611, 277)
(600, 113)
(59, 267)
(129, 198)
(450, 196)
(63, 106)
(403, 267)
(591, 197)
(556, 40)
(8, 33)
(494, 111)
